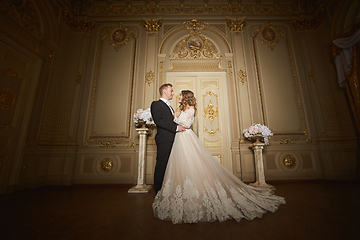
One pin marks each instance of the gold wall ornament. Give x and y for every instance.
(119, 36)
(108, 144)
(161, 71)
(230, 68)
(195, 47)
(106, 165)
(289, 161)
(269, 35)
(84, 144)
(77, 24)
(7, 99)
(152, 26)
(286, 140)
(211, 112)
(310, 23)
(236, 25)
(241, 76)
(149, 77)
(195, 26)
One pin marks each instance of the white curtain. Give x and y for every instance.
(344, 59)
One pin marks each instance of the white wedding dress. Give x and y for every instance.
(197, 188)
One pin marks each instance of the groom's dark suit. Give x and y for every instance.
(166, 130)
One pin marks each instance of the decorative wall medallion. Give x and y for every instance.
(269, 35)
(106, 165)
(194, 43)
(119, 36)
(289, 161)
(149, 77)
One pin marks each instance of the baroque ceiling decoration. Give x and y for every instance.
(24, 13)
(119, 36)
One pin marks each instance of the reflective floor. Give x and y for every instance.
(314, 210)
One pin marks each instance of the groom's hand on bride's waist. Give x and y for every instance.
(180, 128)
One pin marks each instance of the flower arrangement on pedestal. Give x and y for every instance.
(258, 130)
(143, 117)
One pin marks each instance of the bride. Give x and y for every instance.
(197, 188)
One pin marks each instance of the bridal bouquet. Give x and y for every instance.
(143, 116)
(258, 129)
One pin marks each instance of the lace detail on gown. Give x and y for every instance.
(197, 188)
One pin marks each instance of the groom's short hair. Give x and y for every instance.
(163, 87)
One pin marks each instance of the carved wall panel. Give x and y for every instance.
(281, 104)
(112, 93)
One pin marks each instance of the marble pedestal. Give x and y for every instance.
(259, 166)
(141, 187)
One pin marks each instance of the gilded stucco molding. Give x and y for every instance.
(236, 25)
(149, 77)
(77, 24)
(289, 161)
(241, 76)
(106, 165)
(310, 23)
(286, 140)
(152, 25)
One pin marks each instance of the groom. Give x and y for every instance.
(162, 114)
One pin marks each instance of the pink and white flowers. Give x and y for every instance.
(143, 115)
(257, 128)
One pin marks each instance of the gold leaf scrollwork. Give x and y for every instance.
(286, 140)
(149, 77)
(289, 161)
(236, 25)
(106, 165)
(241, 76)
(152, 26)
(195, 26)
(211, 112)
(230, 68)
(108, 144)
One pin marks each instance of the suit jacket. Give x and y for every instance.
(163, 118)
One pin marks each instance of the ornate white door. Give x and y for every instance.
(212, 116)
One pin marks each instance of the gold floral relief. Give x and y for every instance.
(241, 76)
(149, 77)
(106, 165)
(78, 24)
(211, 113)
(311, 22)
(289, 161)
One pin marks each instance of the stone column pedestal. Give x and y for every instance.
(141, 187)
(259, 166)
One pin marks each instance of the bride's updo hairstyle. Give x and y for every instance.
(188, 99)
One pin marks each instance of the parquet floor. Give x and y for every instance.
(314, 210)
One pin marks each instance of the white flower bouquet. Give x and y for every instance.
(143, 116)
(258, 129)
